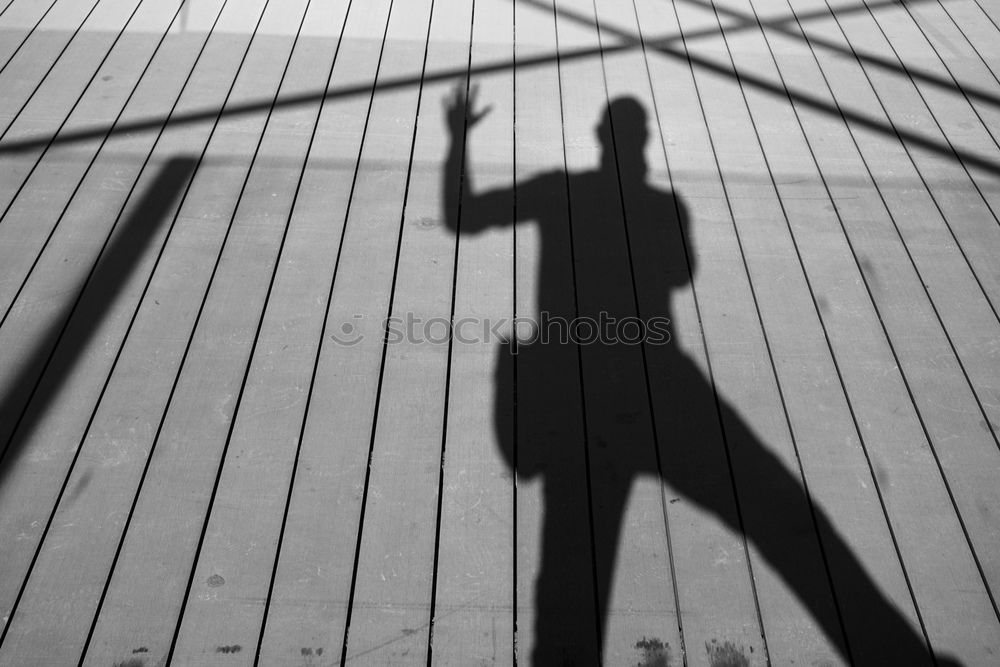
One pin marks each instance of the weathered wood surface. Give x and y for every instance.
(268, 389)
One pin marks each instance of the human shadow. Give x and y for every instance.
(589, 405)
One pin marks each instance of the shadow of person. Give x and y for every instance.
(599, 398)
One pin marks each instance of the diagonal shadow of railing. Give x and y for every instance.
(671, 45)
(787, 27)
(665, 46)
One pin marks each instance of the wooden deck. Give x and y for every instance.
(270, 392)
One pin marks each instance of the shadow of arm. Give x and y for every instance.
(483, 210)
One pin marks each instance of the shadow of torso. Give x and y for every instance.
(583, 421)
(603, 291)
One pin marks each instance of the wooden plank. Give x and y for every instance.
(799, 619)
(45, 112)
(122, 427)
(32, 60)
(5, 7)
(232, 535)
(21, 14)
(557, 615)
(946, 232)
(960, 64)
(633, 573)
(977, 27)
(37, 457)
(931, 374)
(982, 13)
(377, 199)
(87, 217)
(969, 206)
(373, 225)
(136, 604)
(391, 593)
(117, 264)
(953, 289)
(101, 191)
(888, 293)
(864, 560)
(348, 373)
(44, 187)
(18, 21)
(937, 264)
(250, 238)
(715, 593)
(65, 28)
(473, 611)
(307, 603)
(52, 97)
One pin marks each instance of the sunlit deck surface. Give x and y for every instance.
(264, 399)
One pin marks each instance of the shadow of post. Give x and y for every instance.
(40, 377)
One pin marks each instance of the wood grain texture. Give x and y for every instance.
(281, 291)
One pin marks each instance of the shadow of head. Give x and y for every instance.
(623, 132)
(656, 220)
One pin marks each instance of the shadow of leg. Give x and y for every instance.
(566, 624)
(785, 535)
(549, 445)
